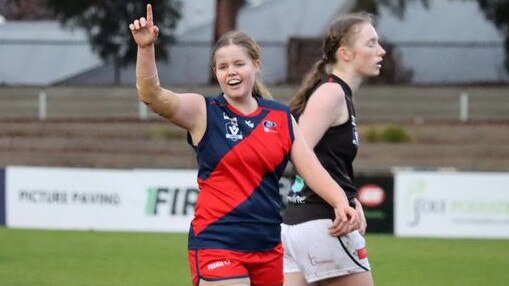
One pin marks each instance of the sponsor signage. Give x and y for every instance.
(100, 199)
(2, 197)
(375, 193)
(452, 204)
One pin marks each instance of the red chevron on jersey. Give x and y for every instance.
(232, 182)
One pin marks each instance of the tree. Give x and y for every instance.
(23, 10)
(226, 16)
(225, 20)
(497, 11)
(106, 23)
(397, 7)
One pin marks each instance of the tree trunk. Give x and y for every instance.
(226, 20)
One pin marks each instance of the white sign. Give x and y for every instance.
(100, 199)
(451, 204)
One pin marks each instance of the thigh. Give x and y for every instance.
(357, 279)
(266, 268)
(216, 266)
(321, 256)
(295, 279)
(227, 282)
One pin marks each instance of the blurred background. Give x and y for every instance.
(79, 152)
(67, 95)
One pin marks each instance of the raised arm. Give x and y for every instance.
(185, 110)
(319, 180)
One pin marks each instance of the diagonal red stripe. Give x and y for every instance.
(232, 182)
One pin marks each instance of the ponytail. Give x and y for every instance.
(311, 79)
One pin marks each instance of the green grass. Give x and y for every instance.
(72, 258)
(437, 262)
(68, 258)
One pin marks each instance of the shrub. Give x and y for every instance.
(389, 134)
(372, 135)
(395, 134)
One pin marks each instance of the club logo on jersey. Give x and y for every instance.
(355, 140)
(249, 123)
(269, 126)
(233, 131)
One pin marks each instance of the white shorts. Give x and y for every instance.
(311, 250)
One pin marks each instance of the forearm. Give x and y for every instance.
(145, 62)
(150, 92)
(147, 79)
(315, 176)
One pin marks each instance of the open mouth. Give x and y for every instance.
(234, 82)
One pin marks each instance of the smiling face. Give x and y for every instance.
(367, 51)
(235, 70)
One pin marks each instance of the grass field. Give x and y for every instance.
(73, 258)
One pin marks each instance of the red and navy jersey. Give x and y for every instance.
(241, 159)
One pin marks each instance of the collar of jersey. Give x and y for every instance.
(256, 112)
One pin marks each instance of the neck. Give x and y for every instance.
(245, 104)
(353, 80)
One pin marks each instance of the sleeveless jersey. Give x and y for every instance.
(336, 151)
(241, 159)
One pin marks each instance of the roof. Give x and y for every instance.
(41, 53)
(449, 42)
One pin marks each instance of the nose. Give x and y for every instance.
(382, 51)
(231, 70)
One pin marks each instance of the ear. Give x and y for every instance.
(344, 54)
(257, 65)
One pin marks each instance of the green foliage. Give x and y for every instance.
(372, 135)
(395, 134)
(495, 11)
(398, 8)
(107, 24)
(388, 134)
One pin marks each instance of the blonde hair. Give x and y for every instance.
(253, 50)
(340, 33)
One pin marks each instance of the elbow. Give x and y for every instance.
(147, 95)
(148, 89)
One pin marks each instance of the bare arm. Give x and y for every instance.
(318, 179)
(325, 108)
(185, 110)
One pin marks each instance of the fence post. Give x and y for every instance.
(43, 104)
(464, 107)
(142, 110)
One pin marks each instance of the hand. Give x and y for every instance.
(362, 219)
(346, 221)
(144, 31)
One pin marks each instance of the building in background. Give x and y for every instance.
(448, 43)
(42, 53)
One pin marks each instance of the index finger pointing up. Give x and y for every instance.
(150, 18)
